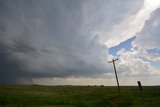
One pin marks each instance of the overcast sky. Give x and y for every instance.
(70, 42)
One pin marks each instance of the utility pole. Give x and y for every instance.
(113, 61)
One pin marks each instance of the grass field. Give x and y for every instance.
(77, 96)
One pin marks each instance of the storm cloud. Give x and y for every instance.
(61, 38)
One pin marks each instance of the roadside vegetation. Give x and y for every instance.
(78, 96)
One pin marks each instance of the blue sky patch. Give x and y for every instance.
(153, 51)
(156, 64)
(126, 45)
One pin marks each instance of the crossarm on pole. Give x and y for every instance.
(113, 60)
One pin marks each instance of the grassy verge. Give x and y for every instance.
(77, 96)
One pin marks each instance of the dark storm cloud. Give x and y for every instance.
(10, 72)
(57, 37)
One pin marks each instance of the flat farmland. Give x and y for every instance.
(78, 96)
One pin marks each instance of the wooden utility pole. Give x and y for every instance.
(113, 61)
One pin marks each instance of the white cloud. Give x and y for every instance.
(132, 24)
(149, 36)
(131, 63)
(121, 51)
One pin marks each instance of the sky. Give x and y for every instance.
(69, 42)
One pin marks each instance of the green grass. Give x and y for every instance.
(77, 96)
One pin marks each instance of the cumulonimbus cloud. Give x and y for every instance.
(64, 38)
